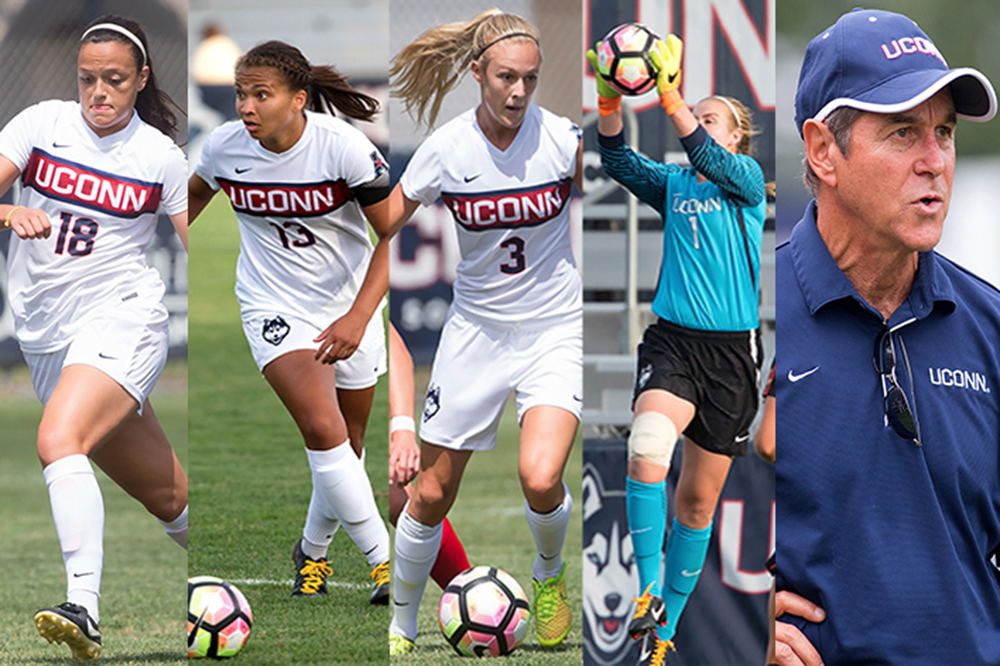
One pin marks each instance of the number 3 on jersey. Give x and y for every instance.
(78, 240)
(516, 262)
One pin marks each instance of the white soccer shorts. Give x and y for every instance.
(478, 365)
(129, 345)
(272, 334)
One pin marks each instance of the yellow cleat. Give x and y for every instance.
(653, 651)
(399, 645)
(553, 617)
(380, 595)
(650, 613)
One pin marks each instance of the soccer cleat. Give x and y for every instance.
(380, 595)
(653, 651)
(399, 644)
(310, 575)
(553, 617)
(650, 613)
(70, 624)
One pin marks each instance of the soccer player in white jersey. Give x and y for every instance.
(302, 184)
(88, 311)
(505, 169)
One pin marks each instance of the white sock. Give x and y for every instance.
(319, 530)
(78, 512)
(549, 530)
(346, 494)
(177, 529)
(416, 549)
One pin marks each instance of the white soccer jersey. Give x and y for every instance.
(512, 211)
(304, 244)
(102, 195)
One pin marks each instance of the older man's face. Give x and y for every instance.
(897, 178)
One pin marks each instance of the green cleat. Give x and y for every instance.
(553, 617)
(399, 644)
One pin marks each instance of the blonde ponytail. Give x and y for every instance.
(425, 70)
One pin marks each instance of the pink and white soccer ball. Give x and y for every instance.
(624, 60)
(484, 612)
(219, 618)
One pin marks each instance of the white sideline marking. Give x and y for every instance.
(290, 582)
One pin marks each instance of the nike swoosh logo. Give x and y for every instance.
(792, 377)
(690, 574)
(110, 358)
(81, 575)
(243, 170)
(640, 531)
(469, 179)
(578, 398)
(60, 145)
(740, 440)
(400, 603)
(371, 550)
(194, 629)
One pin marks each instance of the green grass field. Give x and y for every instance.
(250, 481)
(250, 489)
(144, 571)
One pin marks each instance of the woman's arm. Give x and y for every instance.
(342, 337)
(27, 223)
(180, 221)
(404, 453)
(578, 175)
(199, 194)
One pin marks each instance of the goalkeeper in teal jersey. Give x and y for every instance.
(698, 366)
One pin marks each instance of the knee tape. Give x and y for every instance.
(653, 438)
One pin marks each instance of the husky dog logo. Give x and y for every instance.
(275, 330)
(610, 578)
(432, 405)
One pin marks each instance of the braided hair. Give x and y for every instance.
(325, 87)
(152, 104)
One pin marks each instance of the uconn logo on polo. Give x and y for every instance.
(526, 207)
(910, 45)
(286, 199)
(77, 184)
(957, 378)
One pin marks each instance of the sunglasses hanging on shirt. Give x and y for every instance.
(898, 411)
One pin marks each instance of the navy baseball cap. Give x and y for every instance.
(883, 62)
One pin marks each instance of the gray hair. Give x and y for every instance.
(840, 123)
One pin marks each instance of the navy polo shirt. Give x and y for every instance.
(891, 539)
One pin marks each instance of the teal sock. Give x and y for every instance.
(686, 552)
(646, 504)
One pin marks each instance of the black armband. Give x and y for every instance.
(373, 191)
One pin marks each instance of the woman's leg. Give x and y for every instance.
(703, 474)
(547, 435)
(659, 418)
(418, 531)
(341, 488)
(85, 409)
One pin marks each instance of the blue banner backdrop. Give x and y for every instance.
(725, 622)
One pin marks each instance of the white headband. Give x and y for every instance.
(120, 29)
(725, 101)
